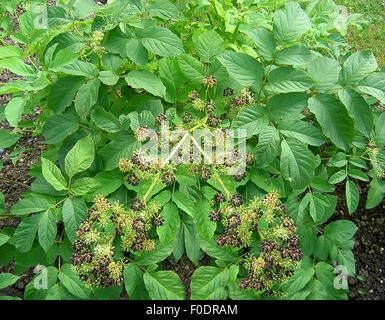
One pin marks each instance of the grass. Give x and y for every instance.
(373, 36)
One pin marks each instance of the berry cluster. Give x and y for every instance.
(280, 253)
(138, 168)
(94, 256)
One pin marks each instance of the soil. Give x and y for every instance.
(185, 269)
(369, 247)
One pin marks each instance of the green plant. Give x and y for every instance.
(107, 77)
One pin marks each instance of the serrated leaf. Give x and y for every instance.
(133, 282)
(208, 45)
(356, 67)
(161, 41)
(164, 285)
(86, 97)
(290, 22)
(287, 79)
(72, 283)
(302, 131)
(358, 109)
(209, 283)
(168, 230)
(335, 121)
(47, 229)
(7, 279)
(25, 233)
(30, 205)
(74, 212)
(242, 68)
(14, 110)
(191, 68)
(252, 119)
(324, 72)
(268, 146)
(297, 163)
(80, 157)
(264, 41)
(352, 196)
(143, 79)
(53, 175)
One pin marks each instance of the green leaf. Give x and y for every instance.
(184, 203)
(345, 258)
(356, 67)
(209, 283)
(14, 110)
(264, 42)
(191, 242)
(105, 120)
(71, 282)
(352, 196)
(3, 239)
(10, 51)
(322, 248)
(161, 41)
(268, 146)
(375, 195)
(171, 76)
(40, 292)
(358, 109)
(213, 250)
(122, 145)
(287, 79)
(297, 163)
(300, 278)
(164, 285)
(168, 231)
(17, 66)
(297, 55)
(78, 68)
(324, 72)
(287, 106)
(47, 229)
(53, 175)
(57, 128)
(302, 131)
(30, 205)
(80, 157)
(340, 231)
(136, 52)
(208, 45)
(8, 139)
(25, 233)
(335, 122)
(290, 22)
(108, 78)
(83, 186)
(205, 226)
(7, 279)
(242, 68)
(74, 211)
(159, 253)
(133, 282)
(374, 85)
(62, 93)
(164, 9)
(192, 69)
(252, 119)
(338, 177)
(87, 97)
(143, 79)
